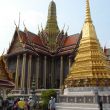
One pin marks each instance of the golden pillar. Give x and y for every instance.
(29, 72)
(37, 72)
(23, 72)
(17, 73)
(45, 64)
(61, 71)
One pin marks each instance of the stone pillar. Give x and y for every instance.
(69, 64)
(85, 100)
(29, 72)
(4, 94)
(61, 71)
(23, 72)
(37, 72)
(45, 69)
(107, 99)
(52, 73)
(17, 73)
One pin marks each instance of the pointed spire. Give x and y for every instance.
(88, 14)
(52, 28)
(52, 18)
(88, 27)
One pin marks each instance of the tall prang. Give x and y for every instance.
(90, 67)
(52, 29)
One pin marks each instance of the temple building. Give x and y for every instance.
(45, 57)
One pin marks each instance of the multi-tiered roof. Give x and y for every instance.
(50, 41)
(5, 76)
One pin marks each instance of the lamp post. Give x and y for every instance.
(33, 92)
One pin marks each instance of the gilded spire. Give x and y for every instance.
(52, 28)
(90, 67)
(51, 25)
(88, 14)
(88, 28)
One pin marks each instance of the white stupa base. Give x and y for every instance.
(80, 106)
(84, 98)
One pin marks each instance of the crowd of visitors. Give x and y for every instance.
(17, 104)
(23, 104)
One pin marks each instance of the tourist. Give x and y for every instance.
(51, 104)
(15, 107)
(22, 104)
(100, 105)
(5, 104)
(31, 103)
(27, 105)
(10, 104)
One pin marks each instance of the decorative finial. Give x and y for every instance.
(63, 26)
(25, 29)
(67, 29)
(16, 25)
(88, 15)
(3, 52)
(19, 20)
(41, 27)
(38, 29)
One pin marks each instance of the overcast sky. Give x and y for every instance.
(69, 12)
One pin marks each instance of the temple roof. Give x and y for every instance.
(5, 76)
(25, 40)
(70, 40)
(48, 41)
(31, 37)
(6, 84)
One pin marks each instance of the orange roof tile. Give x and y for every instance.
(30, 37)
(71, 40)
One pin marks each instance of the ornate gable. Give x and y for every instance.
(16, 44)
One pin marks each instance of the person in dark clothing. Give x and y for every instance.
(100, 105)
(5, 104)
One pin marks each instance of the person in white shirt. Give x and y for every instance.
(51, 104)
(31, 103)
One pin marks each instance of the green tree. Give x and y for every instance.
(45, 97)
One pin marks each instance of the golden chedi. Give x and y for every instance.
(90, 67)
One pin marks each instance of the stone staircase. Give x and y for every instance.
(80, 106)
